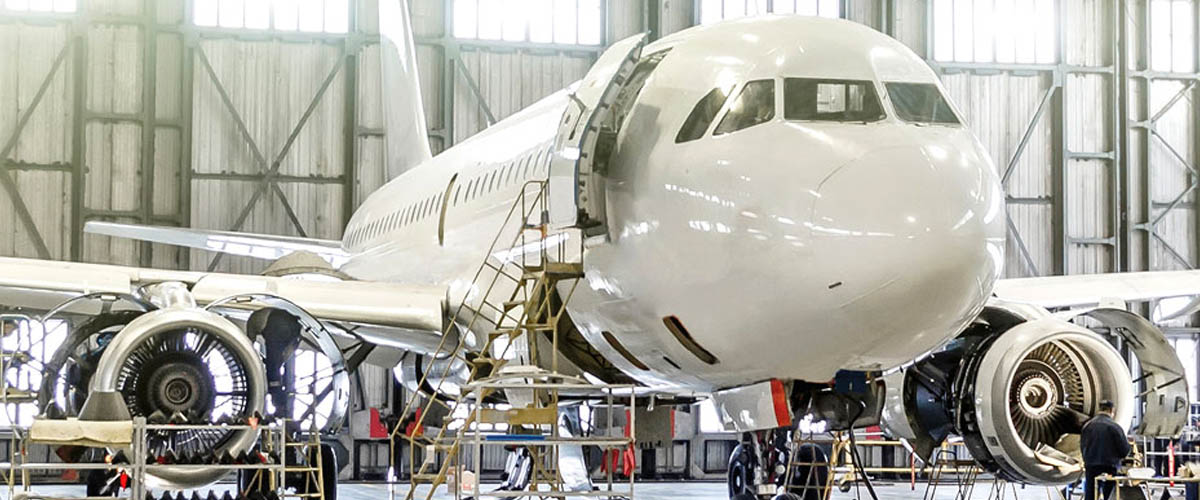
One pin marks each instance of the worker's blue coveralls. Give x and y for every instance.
(1104, 445)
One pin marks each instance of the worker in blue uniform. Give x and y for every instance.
(1104, 445)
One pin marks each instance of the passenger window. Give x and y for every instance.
(830, 100)
(702, 115)
(920, 103)
(755, 104)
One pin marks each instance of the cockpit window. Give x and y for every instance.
(920, 103)
(830, 100)
(702, 115)
(754, 105)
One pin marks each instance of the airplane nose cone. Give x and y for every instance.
(907, 241)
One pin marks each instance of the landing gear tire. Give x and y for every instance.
(741, 472)
(787, 496)
(329, 473)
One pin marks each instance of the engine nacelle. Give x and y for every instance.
(1018, 386)
(164, 361)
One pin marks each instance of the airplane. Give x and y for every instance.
(786, 214)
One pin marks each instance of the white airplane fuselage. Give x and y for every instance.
(789, 249)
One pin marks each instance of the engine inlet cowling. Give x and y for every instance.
(1017, 387)
(192, 362)
(1030, 388)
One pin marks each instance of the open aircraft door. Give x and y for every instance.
(586, 137)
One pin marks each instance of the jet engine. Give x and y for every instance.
(193, 363)
(1019, 384)
(158, 355)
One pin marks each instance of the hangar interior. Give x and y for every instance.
(266, 116)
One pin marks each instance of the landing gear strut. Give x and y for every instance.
(758, 468)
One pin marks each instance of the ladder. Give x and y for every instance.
(810, 471)
(965, 473)
(518, 304)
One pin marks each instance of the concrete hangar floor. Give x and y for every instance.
(663, 491)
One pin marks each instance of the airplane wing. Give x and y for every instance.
(394, 315)
(1084, 290)
(262, 246)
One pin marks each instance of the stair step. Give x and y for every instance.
(554, 270)
(428, 478)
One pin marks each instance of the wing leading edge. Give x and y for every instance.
(1084, 290)
(262, 246)
(388, 314)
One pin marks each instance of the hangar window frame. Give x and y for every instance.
(540, 22)
(1172, 31)
(40, 340)
(277, 16)
(711, 11)
(989, 31)
(40, 7)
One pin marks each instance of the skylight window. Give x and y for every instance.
(1002, 31)
(568, 22)
(309, 16)
(59, 6)
(712, 11)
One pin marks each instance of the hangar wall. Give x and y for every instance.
(127, 111)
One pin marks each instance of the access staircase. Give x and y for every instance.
(519, 305)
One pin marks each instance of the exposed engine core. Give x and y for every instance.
(192, 362)
(1032, 387)
(161, 356)
(1017, 387)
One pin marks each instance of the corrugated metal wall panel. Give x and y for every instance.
(1170, 177)
(864, 11)
(1089, 37)
(50, 209)
(998, 109)
(271, 84)
(430, 67)
(372, 171)
(1178, 229)
(317, 206)
(909, 24)
(114, 69)
(428, 18)
(540, 75)
(27, 54)
(625, 19)
(1089, 215)
(376, 385)
(1089, 210)
(168, 171)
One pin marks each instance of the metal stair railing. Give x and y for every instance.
(533, 284)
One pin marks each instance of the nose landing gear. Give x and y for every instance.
(772, 464)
